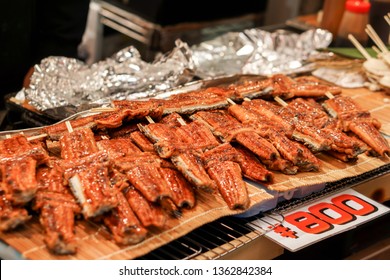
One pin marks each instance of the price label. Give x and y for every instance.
(327, 217)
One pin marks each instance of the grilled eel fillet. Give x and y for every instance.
(123, 131)
(57, 217)
(58, 208)
(56, 131)
(123, 151)
(11, 216)
(90, 184)
(286, 87)
(118, 147)
(182, 193)
(249, 164)
(221, 124)
(290, 150)
(115, 119)
(230, 183)
(172, 140)
(142, 141)
(266, 152)
(190, 164)
(297, 130)
(228, 128)
(86, 170)
(310, 112)
(173, 120)
(346, 109)
(143, 172)
(164, 138)
(312, 87)
(18, 178)
(19, 146)
(149, 214)
(359, 122)
(201, 138)
(371, 136)
(123, 223)
(251, 89)
(184, 148)
(105, 120)
(78, 144)
(190, 102)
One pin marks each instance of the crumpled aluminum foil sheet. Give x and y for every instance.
(62, 81)
(255, 51)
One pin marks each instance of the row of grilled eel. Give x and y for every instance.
(127, 189)
(149, 169)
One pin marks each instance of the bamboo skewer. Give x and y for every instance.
(103, 110)
(329, 95)
(69, 126)
(231, 102)
(35, 137)
(375, 37)
(359, 47)
(280, 101)
(387, 18)
(181, 121)
(384, 54)
(378, 51)
(149, 119)
(31, 138)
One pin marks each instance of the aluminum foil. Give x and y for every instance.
(62, 81)
(255, 51)
(72, 86)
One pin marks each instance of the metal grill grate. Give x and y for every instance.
(217, 238)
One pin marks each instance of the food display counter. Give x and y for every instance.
(208, 168)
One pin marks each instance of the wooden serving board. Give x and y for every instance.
(94, 241)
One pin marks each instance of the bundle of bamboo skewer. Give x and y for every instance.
(377, 69)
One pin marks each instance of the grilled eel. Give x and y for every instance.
(57, 207)
(123, 223)
(358, 121)
(18, 178)
(90, 183)
(230, 183)
(249, 164)
(11, 216)
(149, 213)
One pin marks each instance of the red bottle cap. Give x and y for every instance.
(360, 7)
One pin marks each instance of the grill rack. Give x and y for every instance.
(227, 234)
(217, 238)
